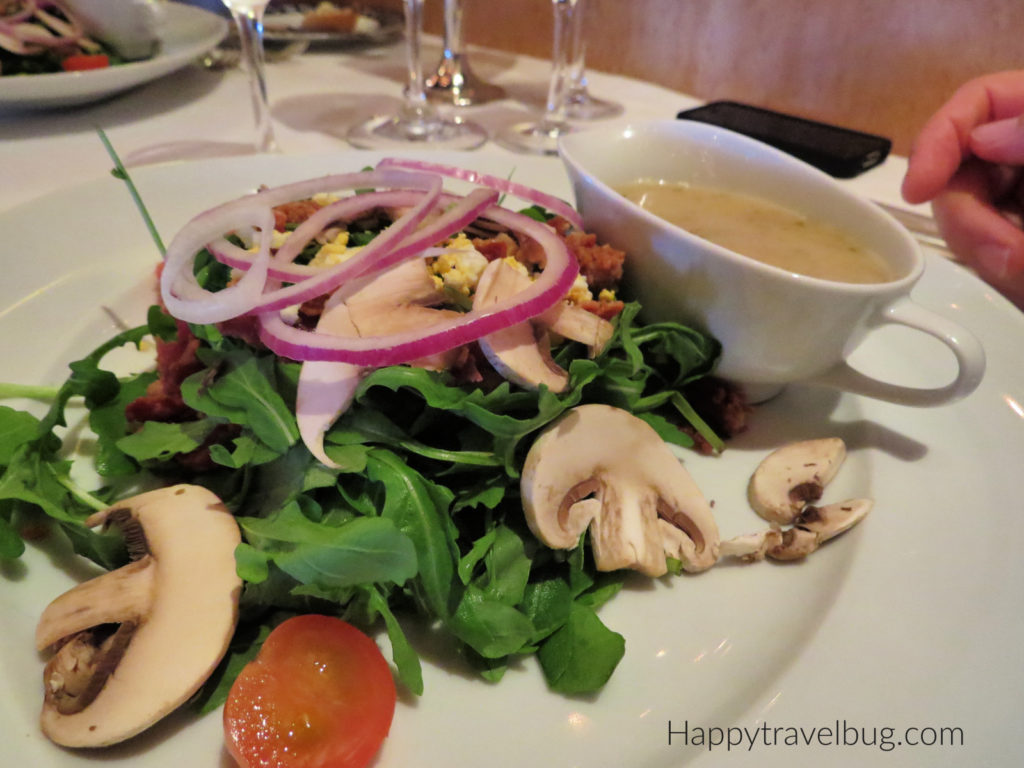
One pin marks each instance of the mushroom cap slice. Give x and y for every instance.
(573, 322)
(178, 604)
(751, 547)
(830, 520)
(811, 528)
(792, 476)
(392, 301)
(603, 468)
(326, 389)
(520, 353)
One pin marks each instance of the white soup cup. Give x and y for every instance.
(775, 326)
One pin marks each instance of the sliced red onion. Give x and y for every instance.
(383, 252)
(188, 301)
(550, 202)
(181, 293)
(377, 254)
(376, 351)
(345, 209)
(270, 283)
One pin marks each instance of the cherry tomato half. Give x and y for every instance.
(319, 695)
(83, 61)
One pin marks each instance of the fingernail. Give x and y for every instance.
(998, 134)
(994, 259)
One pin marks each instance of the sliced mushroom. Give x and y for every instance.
(796, 543)
(520, 353)
(395, 300)
(603, 468)
(326, 389)
(408, 282)
(812, 528)
(816, 525)
(573, 322)
(132, 645)
(830, 520)
(793, 476)
(751, 547)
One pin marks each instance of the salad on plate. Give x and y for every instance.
(47, 36)
(376, 405)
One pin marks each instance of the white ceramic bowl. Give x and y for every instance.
(775, 326)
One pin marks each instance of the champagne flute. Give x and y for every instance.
(453, 81)
(417, 122)
(541, 136)
(248, 15)
(579, 103)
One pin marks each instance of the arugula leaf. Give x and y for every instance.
(582, 654)
(244, 392)
(364, 550)
(110, 424)
(491, 627)
(16, 429)
(160, 440)
(404, 655)
(420, 510)
(11, 544)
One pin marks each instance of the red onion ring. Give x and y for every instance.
(376, 351)
(259, 290)
(552, 203)
(187, 300)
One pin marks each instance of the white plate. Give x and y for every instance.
(185, 34)
(283, 23)
(913, 620)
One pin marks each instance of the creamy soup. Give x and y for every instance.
(762, 230)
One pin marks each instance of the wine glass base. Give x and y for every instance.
(540, 138)
(455, 83)
(397, 131)
(583, 106)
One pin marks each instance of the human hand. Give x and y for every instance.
(968, 160)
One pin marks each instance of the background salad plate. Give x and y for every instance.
(185, 34)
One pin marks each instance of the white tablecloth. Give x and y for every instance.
(315, 97)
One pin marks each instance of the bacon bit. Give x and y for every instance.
(600, 264)
(721, 404)
(246, 328)
(310, 311)
(606, 310)
(175, 361)
(291, 214)
(561, 225)
(200, 460)
(498, 247)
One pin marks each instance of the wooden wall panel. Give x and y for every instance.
(877, 65)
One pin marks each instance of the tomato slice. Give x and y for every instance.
(83, 61)
(319, 695)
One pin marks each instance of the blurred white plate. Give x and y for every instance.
(283, 23)
(914, 620)
(185, 33)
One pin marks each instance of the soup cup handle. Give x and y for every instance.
(970, 357)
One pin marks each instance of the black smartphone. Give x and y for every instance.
(840, 152)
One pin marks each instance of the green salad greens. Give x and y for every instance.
(421, 526)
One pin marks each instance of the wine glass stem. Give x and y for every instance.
(250, 34)
(578, 49)
(416, 105)
(554, 112)
(452, 29)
